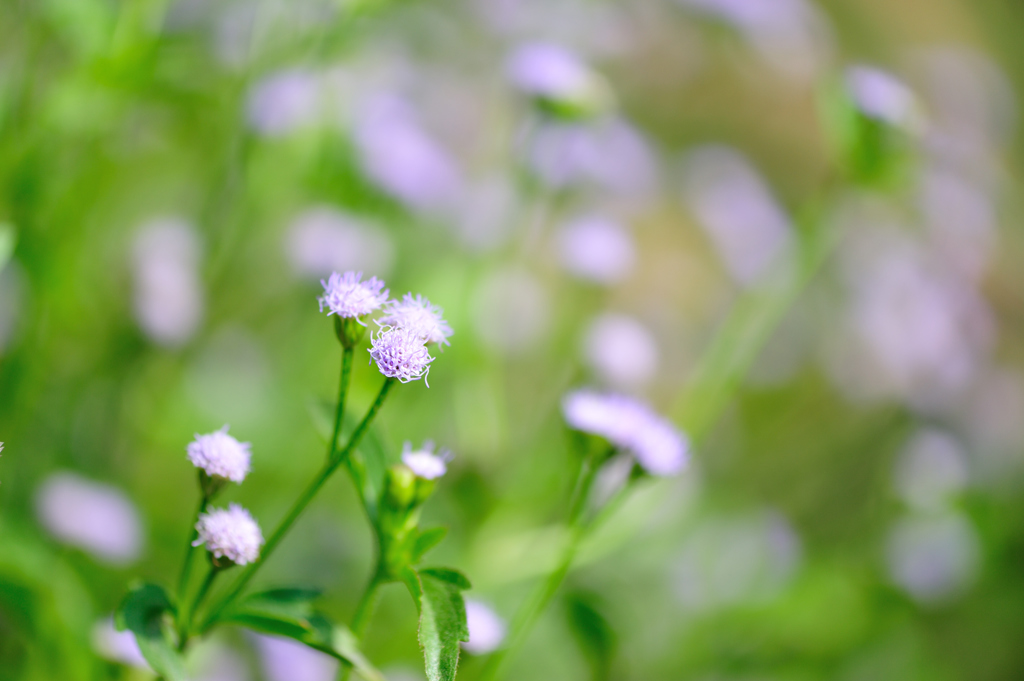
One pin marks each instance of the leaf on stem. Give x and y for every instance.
(437, 593)
(426, 540)
(592, 631)
(146, 612)
(290, 613)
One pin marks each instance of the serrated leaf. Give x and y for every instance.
(442, 620)
(592, 631)
(449, 575)
(144, 612)
(427, 540)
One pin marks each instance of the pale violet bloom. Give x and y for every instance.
(284, 102)
(286, 660)
(931, 470)
(792, 36)
(486, 628)
(621, 350)
(424, 462)
(402, 159)
(90, 515)
(230, 533)
(553, 73)
(607, 154)
(220, 455)
(418, 315)
(322, 240)
(597, 249)
(347, 296)
(116, 646)
(883, 97)
(168, 294)
(962, 220)
(631, 425)
(933, 558)
(511, 310)
(736, 209)
(727, 561)
(401, 354)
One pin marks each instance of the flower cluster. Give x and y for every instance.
(230, 533)
(407, 326)
(630, 425)
(220, 456)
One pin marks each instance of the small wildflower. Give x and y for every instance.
(630, 425)
(486, 628)
(346, 296)
(220, 455)
(401, 354)
(881, 96)
(230, 533)
(424, 462)
(418, 315)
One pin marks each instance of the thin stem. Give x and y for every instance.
(527, 615)
(200, 596)
(186, 572)
(361, 618)
(300, 504)
(339, 412)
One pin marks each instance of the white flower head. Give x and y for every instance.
(630, 425)
(347, 296)
(418, 315)
(220, 455)
(230, 533)
(486, 628)
(401, 354)
(424, 462)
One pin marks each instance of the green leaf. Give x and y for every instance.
(450, 575)
(290, 613)
(427, 540)
(592, 631)
(442, 619)
(145, 612)
(8, 239)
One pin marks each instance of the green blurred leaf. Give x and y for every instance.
(449, 575)
(592, 632)
(427, 540)
(8, 239)
(442, 619)
(144, 612)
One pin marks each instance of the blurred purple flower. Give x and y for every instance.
(749, 229)
(881, 96)
(621, 350)
(597, 249)
(486, 628)
(287, 660)
(418, 315)
(933, 558)
(322, 240)
(284, 101)
(96, 517)
(424, 462)
(168, 297)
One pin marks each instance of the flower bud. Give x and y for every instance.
(400, 488)
(350, 332)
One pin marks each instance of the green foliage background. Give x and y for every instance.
(109, 116)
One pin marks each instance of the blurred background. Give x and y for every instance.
(657, 197)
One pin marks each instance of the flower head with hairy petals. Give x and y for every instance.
(346, 296)
(418, 315)
(401, 354)
(630, 425)
(220, 455)
(424, 462)
(230, 533)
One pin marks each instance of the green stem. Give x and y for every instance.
(200, 596)
(300, 505)
(527, 615)
(339, 413)
(186, 572)
(361, 618)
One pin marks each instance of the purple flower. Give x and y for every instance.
(419, 316)
(401, 354)
(346, 296)
(629, 425)
(424, 462)
(220, 455)
(230, 533)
